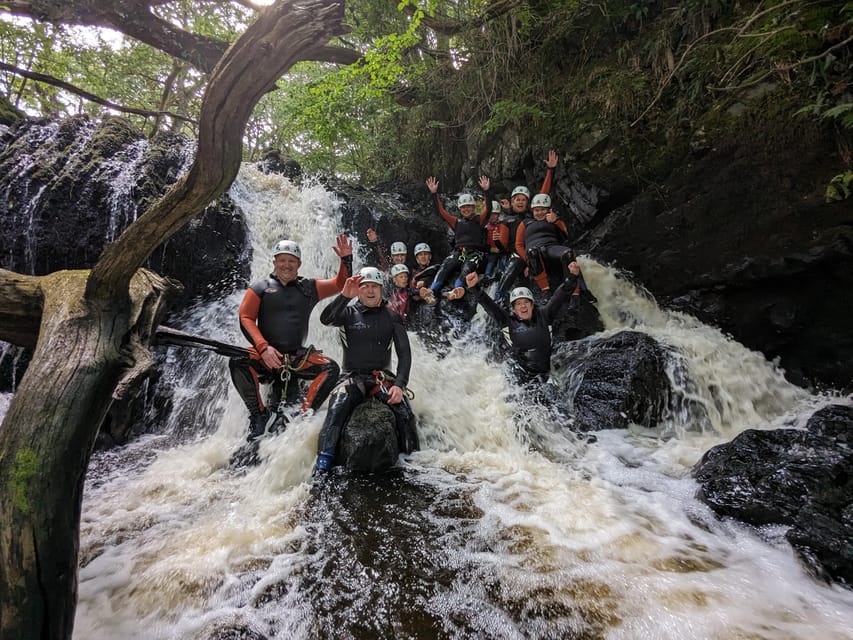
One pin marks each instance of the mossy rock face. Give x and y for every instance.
(9, 115)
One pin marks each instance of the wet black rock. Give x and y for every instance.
(797, 477)
(69, 187)
(615, 381)
(742, 237)
(274, 162)
(406, 214)
(369, 441)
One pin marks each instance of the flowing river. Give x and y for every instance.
(503, 526)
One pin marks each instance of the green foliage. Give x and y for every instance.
(840, 187)
(506, 112)
(108, 65)
(440, 82)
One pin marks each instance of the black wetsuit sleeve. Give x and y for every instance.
(404, 351)
(335, 314)
(560, 298)
(498, 313)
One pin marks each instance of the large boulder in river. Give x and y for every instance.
(796, 477)
(614, 381)
(369, 441)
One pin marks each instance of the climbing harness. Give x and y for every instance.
(474, 256)
(380, 378)
(287, 368)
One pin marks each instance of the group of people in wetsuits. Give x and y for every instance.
(528, 239)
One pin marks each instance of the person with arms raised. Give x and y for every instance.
(528, 324)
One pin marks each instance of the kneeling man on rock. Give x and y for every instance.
(368, 329)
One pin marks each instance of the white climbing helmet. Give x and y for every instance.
(422, 247)
(370, 275)
(496, 207)
(287, 246)
(520, 190)
(541, 200)
(397, 269)
(466, 199)
(398, 248)
(520, 292)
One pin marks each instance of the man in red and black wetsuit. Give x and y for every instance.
(274, 317)
(519, 209)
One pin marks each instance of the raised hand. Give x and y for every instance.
(350, 289)
(432, 184)
(551, 160)
(343, 246)
(485, 183)
(551, 216)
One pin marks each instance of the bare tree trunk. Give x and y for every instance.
(95, 327)
(47, 437)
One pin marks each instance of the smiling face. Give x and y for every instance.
(467, 210)
(519, 203)
(523, 308)
(286, 267)
(370, 294)
(540, 212)
(398, 258)
(423, 258)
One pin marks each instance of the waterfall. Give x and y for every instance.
(502, 526)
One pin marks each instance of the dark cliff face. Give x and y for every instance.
(69, 187)
(739, 234)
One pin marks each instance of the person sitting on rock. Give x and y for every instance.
(274, 317)
(542, 242)
(469, 241)
(425, 270)
(519, 210)
(403, 297)
(497, 240)
(368, 330)
(375, 254)
(399, 253)
(424, 312)
(528, 324)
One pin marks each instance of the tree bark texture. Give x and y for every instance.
(84, 350)
(95, 327)
(20, 308)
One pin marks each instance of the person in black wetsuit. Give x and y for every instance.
(274, 317)
(368, 330)
(528, 324)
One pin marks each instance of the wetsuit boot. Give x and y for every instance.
(257, 425)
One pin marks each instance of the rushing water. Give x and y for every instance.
(503, 526)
